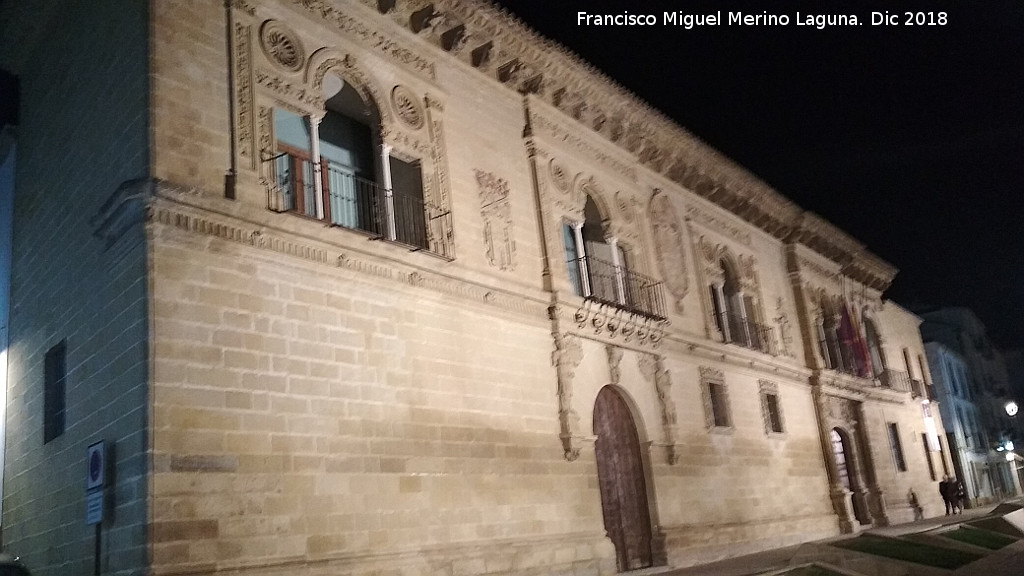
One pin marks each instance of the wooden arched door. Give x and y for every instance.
(620, 473)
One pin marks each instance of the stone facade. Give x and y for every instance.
(325, 395)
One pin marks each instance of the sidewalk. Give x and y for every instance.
(1008, 561)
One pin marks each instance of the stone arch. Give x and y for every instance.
(624, 478)
(328, 60)
(849, 473)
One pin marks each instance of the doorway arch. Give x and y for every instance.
(849, 475)
(620, 473)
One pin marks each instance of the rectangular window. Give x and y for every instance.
(897, 448)
(719, 404)
(573, 260)
(771, 407)
(408, 207)
(928, 456)
(774, 416)
(54, 378)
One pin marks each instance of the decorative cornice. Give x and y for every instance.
(497, 44)
(171, 213)
(718, 224)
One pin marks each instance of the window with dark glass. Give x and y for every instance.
(897, 448)
(719, 404)
(54, 391)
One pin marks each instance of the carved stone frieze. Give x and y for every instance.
(719, 224)
(842, 411)
(669, 248)
(566, 358)
(284, 88)
(384, 42)
(496, 211)
(615, 322)
(246, 234)
(560, 133)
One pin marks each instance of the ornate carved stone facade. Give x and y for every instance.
(321, 395)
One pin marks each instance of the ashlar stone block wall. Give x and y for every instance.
(80, 277)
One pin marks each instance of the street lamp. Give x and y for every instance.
(1011, 408)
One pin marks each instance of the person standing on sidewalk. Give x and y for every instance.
(946, 488)
(957, 490)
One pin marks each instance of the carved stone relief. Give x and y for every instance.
(614, 360)
(652, 368)
(406, 107)
(282, 46)
(566, 358)
(496, 211)
(785, 329)
(720, 224)
(244, 95)
(669, 248)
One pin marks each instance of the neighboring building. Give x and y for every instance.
(975, 463)
(461, 306)
(960, 331)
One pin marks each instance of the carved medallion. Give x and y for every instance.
(559, 175)
(624, 206)
(282, 46)
(406, 107)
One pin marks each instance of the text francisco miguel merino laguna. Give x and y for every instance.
(690, 21)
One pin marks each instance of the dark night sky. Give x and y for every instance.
(909, 138)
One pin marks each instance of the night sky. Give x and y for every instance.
(910, 138)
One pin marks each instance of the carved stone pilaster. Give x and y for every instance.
(653, 369)
(669, 248)
(566, 358)
(614, 360)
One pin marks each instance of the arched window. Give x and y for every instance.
(734, 311)
(600, 267)
(337, 168)
(875, 351)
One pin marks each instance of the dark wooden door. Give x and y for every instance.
(620, 474)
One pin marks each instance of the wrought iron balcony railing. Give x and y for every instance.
(617, 286)
(917, 389)
(353, 202)
(745, 332)
(894, 379)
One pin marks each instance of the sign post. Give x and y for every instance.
(95, 484)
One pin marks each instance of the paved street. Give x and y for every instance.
(1006, 561)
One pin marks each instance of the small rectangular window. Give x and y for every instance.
(897, 448)
(54, 379)
(774, 416)
(719, 405)
(928, 456)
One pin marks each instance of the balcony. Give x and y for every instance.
(356, 203)
(895, 379)
(745, 332)
(608, 284)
